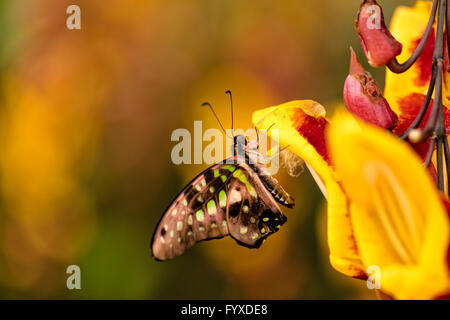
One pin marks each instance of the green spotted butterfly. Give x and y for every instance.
(236, 197)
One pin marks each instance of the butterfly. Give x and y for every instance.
(236, 197)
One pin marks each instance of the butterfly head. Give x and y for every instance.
(240, 140)
(242, 147)
(239, 145)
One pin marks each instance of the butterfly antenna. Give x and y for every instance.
(263, 118)
(232, 115)
(215, 115)
(268, 129)
(257, 135)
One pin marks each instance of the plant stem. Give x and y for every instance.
(436, 121)
(434, 129)
(397, 67)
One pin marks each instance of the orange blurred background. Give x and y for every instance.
(86, 118)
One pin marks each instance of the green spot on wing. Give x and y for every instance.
(211, 206)
(243, 178)
(200, 215)
(222, 199)
(237, 173)
(229, 167)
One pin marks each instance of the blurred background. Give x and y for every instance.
(86, 118)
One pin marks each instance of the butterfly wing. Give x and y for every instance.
(224, 199)
(252, 213)
(198, 213)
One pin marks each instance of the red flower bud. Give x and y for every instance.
(364, 99)
(378, 43)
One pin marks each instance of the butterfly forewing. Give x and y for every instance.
(197, 214)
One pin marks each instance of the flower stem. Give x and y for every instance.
(434, 129)
(430, 152)
(423, 110)
(439, 164)
(447, 160)
(435, 124)
(397, 67)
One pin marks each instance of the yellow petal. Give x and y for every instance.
(302, 126)
(400, 224)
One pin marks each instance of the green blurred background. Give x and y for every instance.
(85, 123)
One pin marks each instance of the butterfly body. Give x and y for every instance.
(237, 198)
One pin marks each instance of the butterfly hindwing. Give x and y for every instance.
(198, 213)
(252, 213)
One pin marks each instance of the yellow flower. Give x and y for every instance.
(302, 126)
(383, 209)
